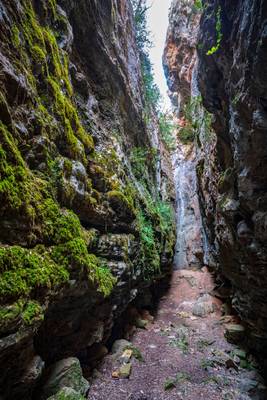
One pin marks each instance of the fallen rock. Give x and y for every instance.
(66, 373)
(240, 354)
(67, 393)
(145, 314)
(126, 356)
(204, 306)
(123, 372)
(141, 323)
(119, 346)
(234, 333)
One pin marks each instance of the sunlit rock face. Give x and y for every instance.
(73, 204)
(233, 83)
(180, 51)
(179, 61)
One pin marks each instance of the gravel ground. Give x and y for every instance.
(186, 356)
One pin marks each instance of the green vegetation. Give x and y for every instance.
(149, 247)
(198, 5)
(58, 227)
(33, 312)
(142, 159)
(151, 91)
(23, 270)
(219, 35)
(74, 254)
(181, 343)
(120, 199)
(166, 128)
(206, 363)
(27, 273)
(14, 190)
(203, 343)
(10, 313)
(171, 383)
(136, 352)
(197, 120)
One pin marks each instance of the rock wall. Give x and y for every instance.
(231, 166)
(85, 221)
(179, 61)
(233, 85)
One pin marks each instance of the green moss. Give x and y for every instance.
(75, 254)
(117, 197)
(219, 35)
(149, 250)
(67, 167)
(101, 275)
(72, 141)
(15, 38)
(52, 5)
(72, 125)
(67, 394)
(13, 173)
(186, 134)
(23, 270)
(41, 41)
(136, 352)
(58, 226)
(33, 312)
(11, 312)
(38, 54)
(32, 31)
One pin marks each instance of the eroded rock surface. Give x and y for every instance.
(230, 66)
(179, 61)
(74, 212)
(233, 85)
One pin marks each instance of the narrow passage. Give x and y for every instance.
(183, 351)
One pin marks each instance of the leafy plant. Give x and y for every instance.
(181, 343)
(206, 363)
(171, 383)
(219, 34)
(198, 5)
(166, 128)
(197, 120)
(151, 90)
(203, 343)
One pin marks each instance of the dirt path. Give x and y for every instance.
(185, 354)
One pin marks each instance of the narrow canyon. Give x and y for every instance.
(133, 252)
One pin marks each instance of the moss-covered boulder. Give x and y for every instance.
(66, 373)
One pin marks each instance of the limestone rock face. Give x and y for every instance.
(233, 85)
(74, 208)
(180, 51)
(229, 70)
(179, 61)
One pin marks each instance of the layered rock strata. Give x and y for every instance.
(231, 168)
(233, 83)
(85, 225)
(179, 61)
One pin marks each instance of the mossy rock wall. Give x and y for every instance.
(81, 233)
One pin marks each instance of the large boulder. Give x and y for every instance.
(66, 373)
